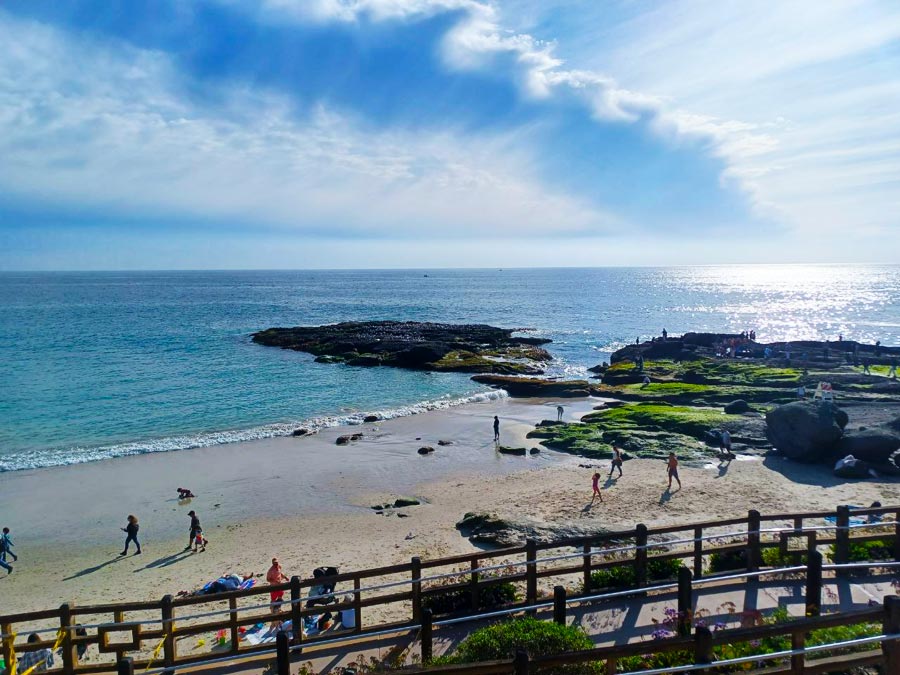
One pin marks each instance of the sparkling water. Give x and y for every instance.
(97, 365)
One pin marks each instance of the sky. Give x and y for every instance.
(233, 134)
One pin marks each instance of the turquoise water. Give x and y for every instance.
(97, 365)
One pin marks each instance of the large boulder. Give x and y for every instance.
(871, 445)
(806, 431)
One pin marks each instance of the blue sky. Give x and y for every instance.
(424, 133)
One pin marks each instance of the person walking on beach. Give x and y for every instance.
(131, 529)
(195, 537)
(616, 461)
(496, 429)
(6, 545)
(595, 482)
(672, 470)
(276, 576)
(559, 413)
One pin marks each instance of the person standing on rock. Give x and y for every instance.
(672, 470)
(892, 373)
(559, 413)
(496, 429)
(665, 335)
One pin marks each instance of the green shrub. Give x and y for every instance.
(623, 576)
(879, 549)
(772, 556)
(538, 638)
(459, 599)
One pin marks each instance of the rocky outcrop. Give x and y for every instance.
(521, 452)
(344, 440)
(494, 530)
(425, 450)
(737, 407)
(806, 431)
(871, 445)
(398, 503)
(531, 386)
(467, 348)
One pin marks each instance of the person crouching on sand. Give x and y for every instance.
(595, 481)
(185, 493)
(131, 529)
(672, 469)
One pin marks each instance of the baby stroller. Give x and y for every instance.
(323, 593)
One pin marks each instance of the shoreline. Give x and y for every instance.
(288, 497)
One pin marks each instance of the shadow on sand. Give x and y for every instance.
(95, 568)
(165, 561)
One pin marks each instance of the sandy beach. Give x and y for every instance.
(307, 501)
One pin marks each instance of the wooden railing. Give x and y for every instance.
(697, 650)
(154, 632)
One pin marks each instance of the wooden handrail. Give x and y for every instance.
(369, 584)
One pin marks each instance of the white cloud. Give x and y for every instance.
(799, 99)
(109, 128)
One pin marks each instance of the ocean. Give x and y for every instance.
(105, 364)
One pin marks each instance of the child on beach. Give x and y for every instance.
(131, 529)
(496, 429)
(196, 540)
(616, 461)
(595, 481)
(6, 545)
(185, 493)
(672, 469)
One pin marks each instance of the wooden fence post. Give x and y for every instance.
(296, 610)
(586, 572)
(167, 612)
(69, 655)
(282, 654)
(891, 626)
(685, 601)
(897, 537)
(698, 552)
(473, 586)
(640, 555)
(415, 570)
(233, 618)
(559, 605)
(842, 537)
(798, 661)
(703, 646)
(520, 662)
(125, 666)
(753, 553)
(357, 607)
(427, 639)
(8, 650)
(530, 572)
(813, 583)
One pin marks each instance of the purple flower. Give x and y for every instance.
(660, 634)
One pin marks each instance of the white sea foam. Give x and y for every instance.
(79, 455)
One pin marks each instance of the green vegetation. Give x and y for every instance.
(737, 560)
(623, 576)
(457, 599)
(864, 551)
(538, 638)
(769, 645)
(464, 361)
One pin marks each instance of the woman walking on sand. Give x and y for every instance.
(131, 529)
(595, 481)
(672, 469)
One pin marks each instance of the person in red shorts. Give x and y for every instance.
(275, 576)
